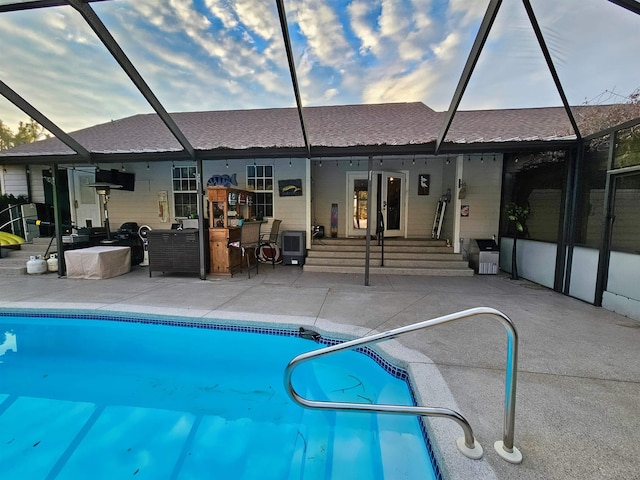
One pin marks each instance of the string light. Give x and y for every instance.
(448, 160)
(147, 165)
(123, 167)
(289, 161)
(494, 157)
(227, 163)
(481, 158)
(413, 162)
(517, 159)
(351, 162)
(320, 164)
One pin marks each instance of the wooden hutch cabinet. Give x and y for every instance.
(227, 206)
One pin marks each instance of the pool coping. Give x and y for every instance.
(426, 382)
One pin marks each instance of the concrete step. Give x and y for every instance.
(388, 242)
(388, 262)
(401, 257)
(11, 270)
(443, 272)
(417, 249)
(349, 254)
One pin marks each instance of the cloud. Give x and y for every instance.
(229, 54)
(359, 11)
(323, 31)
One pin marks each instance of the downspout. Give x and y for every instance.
(27, 174)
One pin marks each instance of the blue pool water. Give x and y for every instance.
(104, 399)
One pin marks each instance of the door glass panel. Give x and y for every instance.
(625, 233)
(360, 197)
(394, 202)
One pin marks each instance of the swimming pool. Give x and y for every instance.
(128, 397)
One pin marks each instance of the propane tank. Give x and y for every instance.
(52, 263)
(36, 264)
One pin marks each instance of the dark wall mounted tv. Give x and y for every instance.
(127, 180)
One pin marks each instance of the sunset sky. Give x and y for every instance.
(229, 54)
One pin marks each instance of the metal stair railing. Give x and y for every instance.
(467, 444)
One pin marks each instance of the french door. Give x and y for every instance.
(388, 198)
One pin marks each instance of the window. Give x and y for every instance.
(260, 180)
(185, 191)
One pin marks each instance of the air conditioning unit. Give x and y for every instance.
(294, 247)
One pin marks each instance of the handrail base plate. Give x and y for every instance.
(514, 457)
(474, 453)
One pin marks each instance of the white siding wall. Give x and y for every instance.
(329, 186)
(141, 205)
(484, 185)
(422, 208)
(14, 180)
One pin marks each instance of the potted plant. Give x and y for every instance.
(517, 215)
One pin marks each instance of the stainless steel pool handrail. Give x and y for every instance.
(467, 444)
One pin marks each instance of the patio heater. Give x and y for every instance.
(103, 190)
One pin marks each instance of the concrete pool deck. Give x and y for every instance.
(578, 393)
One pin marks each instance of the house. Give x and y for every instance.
(488, 159)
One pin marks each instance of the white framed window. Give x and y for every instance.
(185, 191)
(260, 180)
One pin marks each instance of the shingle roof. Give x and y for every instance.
(331, 126)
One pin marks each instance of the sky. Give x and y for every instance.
(229, 54)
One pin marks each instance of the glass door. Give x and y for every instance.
(392, 203)
(388, 197)
(624, 252)
(357, 198)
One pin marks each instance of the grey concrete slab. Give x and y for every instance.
(279, 300)
(579, 369)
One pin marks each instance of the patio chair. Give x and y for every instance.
(249, 241)
(268, 249)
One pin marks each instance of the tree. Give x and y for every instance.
(28, 132)
(518, 216)
(6, 136)
(597, 118)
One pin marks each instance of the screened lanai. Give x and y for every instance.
(80, 63)
(74, 64)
